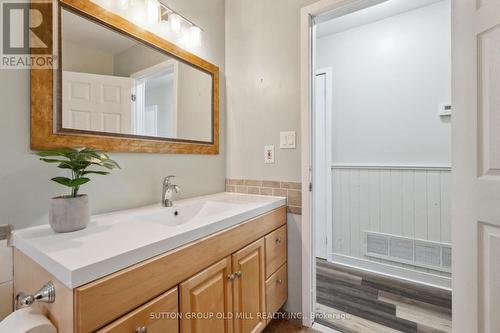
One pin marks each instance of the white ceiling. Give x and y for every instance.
(332, 23)
(80, 30)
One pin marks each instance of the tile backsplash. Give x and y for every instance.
(290, 190)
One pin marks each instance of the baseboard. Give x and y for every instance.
(322, 328)
(429, 279)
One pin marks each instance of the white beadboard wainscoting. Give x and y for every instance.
(408, 201)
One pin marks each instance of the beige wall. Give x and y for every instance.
(25, 189)
(194, 104)
(137, 58)
(78, 58)
(262, 62)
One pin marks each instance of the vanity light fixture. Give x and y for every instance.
(156, 16)
(195, 35)
(176, 21)
(153, 11)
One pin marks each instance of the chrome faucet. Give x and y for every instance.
(168, 190)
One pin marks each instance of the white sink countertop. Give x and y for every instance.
(121, 239)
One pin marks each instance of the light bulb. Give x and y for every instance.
(123, 4)
(106, 3)
(195, 35)
(153, 11)
(163, 27)
(137, 11)
(175, 22)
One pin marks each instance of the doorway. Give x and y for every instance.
(381, 167)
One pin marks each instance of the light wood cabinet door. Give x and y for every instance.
(249, 288)
(206, 300)
(277, 289)
(275, 250)
(156, 316)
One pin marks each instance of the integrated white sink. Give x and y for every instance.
(196, 213)
(117, 240)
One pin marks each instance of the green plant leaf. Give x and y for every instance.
(80, 181)
(71, 182)
(66, 164)
(103, 173)
(78, 160)
(63, 181)
(52, 160)
(52, 153)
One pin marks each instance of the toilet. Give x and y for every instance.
(27, 320)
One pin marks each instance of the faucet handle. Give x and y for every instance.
(168, 179)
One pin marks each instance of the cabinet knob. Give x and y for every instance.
(231, 277)
(278, 240)
(238, 274)
(279, 281)
(141, 329)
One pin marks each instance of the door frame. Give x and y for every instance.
(328, 227)
(140, 78)
(307, 35)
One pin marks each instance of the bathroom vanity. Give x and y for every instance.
(209, 264)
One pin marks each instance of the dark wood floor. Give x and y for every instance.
(355, 301)
(287, 326)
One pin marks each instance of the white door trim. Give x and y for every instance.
(326, 177)
(306, 105)
(140, 78)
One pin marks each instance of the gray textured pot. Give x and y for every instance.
(69, 214)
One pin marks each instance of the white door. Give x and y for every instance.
(322, 186)
(476, 166)
(99, 103)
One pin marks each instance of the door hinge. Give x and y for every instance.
(133, 97)
(310, 187)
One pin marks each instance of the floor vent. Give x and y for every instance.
(410, 251)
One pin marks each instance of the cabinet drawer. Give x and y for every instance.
(275, 250)
(277, 289)
(154, 316)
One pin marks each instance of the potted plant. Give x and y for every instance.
(71, 212)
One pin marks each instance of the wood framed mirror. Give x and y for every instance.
(117, 87)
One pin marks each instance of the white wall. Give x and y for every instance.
(25, 186)
(388, 79)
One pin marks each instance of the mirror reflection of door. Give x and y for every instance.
(114, 84)
(99, 103)
(156, 89)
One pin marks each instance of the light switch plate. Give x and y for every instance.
(287, 140)
(444, 110)
(269, 154)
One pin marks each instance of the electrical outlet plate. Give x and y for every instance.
(287, 140)
(269, 154)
